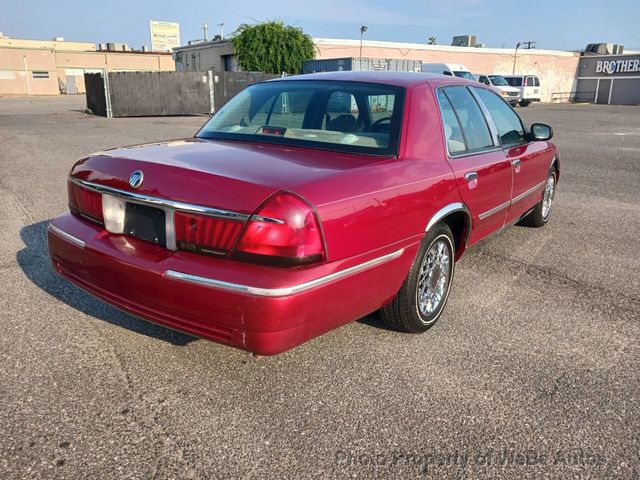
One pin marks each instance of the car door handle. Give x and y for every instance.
(471, 176)
(516, 165)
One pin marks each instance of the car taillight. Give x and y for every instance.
(205, 234)
(85, 203)
(294, 238)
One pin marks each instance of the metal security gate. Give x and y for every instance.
(147, 94)
(95, 92)
(228, 84)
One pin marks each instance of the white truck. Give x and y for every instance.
(511, 94)
(529, 85)
(451, 69)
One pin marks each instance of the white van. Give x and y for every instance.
(451, 69)
(529, 85)
(511, 94)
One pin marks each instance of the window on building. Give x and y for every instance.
(40, 74)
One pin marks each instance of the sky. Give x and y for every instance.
(561, 24)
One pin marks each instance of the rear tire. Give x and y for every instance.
(524, 103)
(424, 293)
(542, 211)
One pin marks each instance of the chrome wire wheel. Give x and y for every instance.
(434, 276)
(547, 199)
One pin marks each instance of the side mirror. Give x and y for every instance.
(541, 131)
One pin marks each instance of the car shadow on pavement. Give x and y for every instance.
(34, 262)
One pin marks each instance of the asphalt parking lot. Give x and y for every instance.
(531, 372)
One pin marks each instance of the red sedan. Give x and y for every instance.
(303, 204)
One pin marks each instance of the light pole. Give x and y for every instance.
(221, 25)
(363, 29)
(515, 55)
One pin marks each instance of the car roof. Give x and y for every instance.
(386, 77)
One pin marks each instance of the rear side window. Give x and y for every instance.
(507, 122)
(533, 82)
(452, 129)
(471, 121)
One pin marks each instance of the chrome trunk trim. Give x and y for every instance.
(285, 291)
(166, 203)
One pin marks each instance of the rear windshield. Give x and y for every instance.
(498, 80)
(351, 117)
(514, 81)
(463, 74)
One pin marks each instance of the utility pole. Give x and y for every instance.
(363, 29)
(515, 55)
(221, 25)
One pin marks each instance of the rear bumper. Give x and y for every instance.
(261, 309)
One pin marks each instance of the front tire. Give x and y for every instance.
(542, 211)
(424, 293)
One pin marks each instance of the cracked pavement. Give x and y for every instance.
(531, 372)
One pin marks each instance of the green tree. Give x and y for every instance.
(432, 40)
(272, 47)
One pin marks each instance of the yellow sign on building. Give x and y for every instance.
(165, 36)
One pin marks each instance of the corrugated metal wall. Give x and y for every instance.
(361, 64)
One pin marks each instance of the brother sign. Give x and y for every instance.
(618, 66)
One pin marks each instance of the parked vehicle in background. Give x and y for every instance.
(451, 69)
(303, 204)
(511, 94)
(529, 86)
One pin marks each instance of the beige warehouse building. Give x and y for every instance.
(557, 69)
(36, 67)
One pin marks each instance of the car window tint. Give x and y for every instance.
(286, 109)
(380, 106)
(330, 115)
(507, 121)
(474, 125)
(342, 113)
(536, 82)
(452, 130)
(529, 82)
